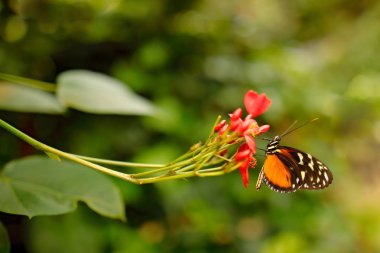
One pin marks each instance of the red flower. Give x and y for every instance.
(236, 114)
(244, 156)
(264, 128)
(247, 149)
(256, 104)
(248, 128)
(235, 120)
(220, 125)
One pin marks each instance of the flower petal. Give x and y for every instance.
(236, 125)
(236, 114)
(244, 172)
(260, 130)
(264, 128)
(248, 123)
(222, 130)
(256, 104)
(243, 152)
(235, 119)
(250, 142)
(219, 125)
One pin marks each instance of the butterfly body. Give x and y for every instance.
(287, 169)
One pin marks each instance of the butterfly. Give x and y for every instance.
(288, 169)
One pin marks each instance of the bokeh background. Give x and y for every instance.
(196, 59)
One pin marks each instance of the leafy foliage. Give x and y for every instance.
(80, 89)
(41, 186)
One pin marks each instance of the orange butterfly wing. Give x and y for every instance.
(280, 172)
(276, 172)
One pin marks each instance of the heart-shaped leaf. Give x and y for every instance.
(38, 185)
(98, 93)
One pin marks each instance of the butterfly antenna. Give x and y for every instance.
(289, 130)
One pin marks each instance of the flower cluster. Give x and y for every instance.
(255, 104)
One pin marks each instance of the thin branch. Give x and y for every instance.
(119, 163)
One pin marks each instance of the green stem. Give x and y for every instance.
(186, 155)
(216, 123)
(205, 160)
(176, 164)
(219, 172)
(119, 163)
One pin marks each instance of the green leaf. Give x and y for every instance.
(97, 93)
(15, 97)
(38, 185)
(4, 240)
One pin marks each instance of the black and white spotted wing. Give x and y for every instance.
(287, 169)
(313, 173)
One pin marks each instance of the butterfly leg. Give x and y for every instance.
(260, 179)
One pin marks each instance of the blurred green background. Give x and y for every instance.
(196, 59)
